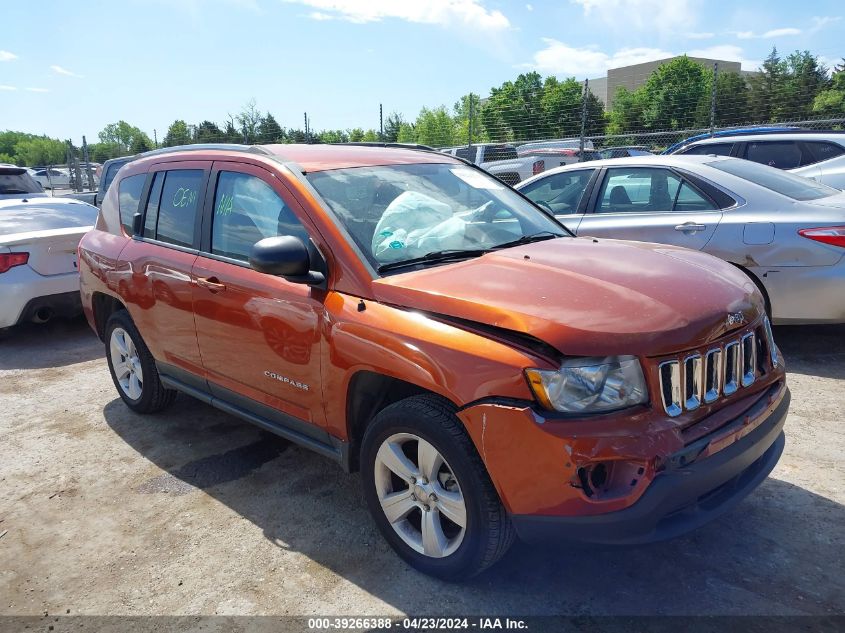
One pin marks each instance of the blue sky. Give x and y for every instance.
(70, 68)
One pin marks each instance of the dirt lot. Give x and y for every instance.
(192, 511)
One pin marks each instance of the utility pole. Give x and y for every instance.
(381, 122)
(469, 125)
(155, 138)
(713, 98)
(87, 164)
(306, 127)
(583, 120)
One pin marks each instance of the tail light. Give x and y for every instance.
(10, 260)
(538, 167)
(833, 235)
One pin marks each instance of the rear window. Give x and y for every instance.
(817, 151)
(784, 183)
(129, 194)
(17, 181)
(111, 172)
(499, 152)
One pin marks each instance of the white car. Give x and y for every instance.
(50, 178)
(499, 160)
(816, 155)
(39, 277)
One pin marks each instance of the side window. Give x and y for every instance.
(817, 151)
(638, 190)
(465, 152)
(780, 154)
(129, 195)
(560, 192)
(690, 200)
(151, 216)
(719, 149)
(177, 211)
(246, 210)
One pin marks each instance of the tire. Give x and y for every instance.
(132, 367)
(414, 427)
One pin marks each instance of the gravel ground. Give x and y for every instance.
(194, 512)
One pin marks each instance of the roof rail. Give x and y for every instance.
(198, 147)
(425, 148)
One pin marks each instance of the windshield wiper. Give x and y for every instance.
(528, 239)
(435, 256)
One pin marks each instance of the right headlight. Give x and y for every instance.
(590, 385)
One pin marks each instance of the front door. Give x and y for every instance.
(561, 193)
(651, 204)
(259, 335)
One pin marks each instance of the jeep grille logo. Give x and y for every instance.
(737, 318)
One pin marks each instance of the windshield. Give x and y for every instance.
(784, 183)
(17, 181)
(401, 212)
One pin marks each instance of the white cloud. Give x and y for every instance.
(467, 13)
(820, 22)
(750, 35)
(558, 58)
(64, 71)
(700, 36)
(7, 88)
(6, 56)
(37, 90)
(727, 52)
(661, 16)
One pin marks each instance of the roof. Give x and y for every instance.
(323, 157)
(658, 160)
(733, 132)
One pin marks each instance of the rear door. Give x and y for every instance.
(650, 204)
(259, 334)
(157, 283)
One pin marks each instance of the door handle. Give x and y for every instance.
(212, 284)
(690, 227)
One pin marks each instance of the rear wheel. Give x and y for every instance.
(429, 492)
(132, 366)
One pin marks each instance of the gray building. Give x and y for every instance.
(632, 77)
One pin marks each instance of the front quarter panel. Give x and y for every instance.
(457, 364)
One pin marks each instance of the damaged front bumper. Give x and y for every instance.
(658, 486)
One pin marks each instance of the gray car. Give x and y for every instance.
(785, 231)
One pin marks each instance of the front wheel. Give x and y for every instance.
(429, 492)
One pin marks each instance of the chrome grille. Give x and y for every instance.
(687, 383)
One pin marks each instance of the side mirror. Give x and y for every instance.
(137, 224)
(285, 256)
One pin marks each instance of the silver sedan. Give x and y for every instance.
(786, 232)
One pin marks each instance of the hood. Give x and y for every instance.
(587, 297)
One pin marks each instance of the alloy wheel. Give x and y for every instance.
(126, 363)
(420, 495)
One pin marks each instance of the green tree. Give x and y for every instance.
(628, 111)
(40, 151)
(766, 86)
(515, 111)
(462, 110)
(676, 95)
(370, 136)
(208, 132)
(805, 77)
(139, 145)
(249, 119)
(435, 127)
(732, 99)
(392, 124)
(333, 136)
(407, 133)
(177, 134)
(121, 135)
(356, 135)
(831, 102)
(268, 130)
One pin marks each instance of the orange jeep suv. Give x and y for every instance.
(407, 315)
